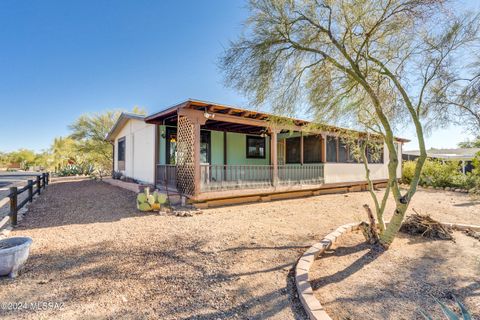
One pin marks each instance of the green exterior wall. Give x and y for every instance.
(216, 139)
(236, 148)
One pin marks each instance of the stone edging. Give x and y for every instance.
(305, 292)
(312, 306)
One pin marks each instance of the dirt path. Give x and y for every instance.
(97, 257)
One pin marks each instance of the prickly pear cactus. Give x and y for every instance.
(161, 198)
(151, 202)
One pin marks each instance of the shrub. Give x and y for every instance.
(75, 169)
(438, 174)
(408, 171)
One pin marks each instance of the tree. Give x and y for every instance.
(64, 150)
(371, 63)
(24, 157)
(475, 143)
(89, 132)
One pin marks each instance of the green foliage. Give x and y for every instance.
(151, 202)
(24, 157)
(475, 143)
(89, 132)
(75, 169)
(438, 174)
(449, 313)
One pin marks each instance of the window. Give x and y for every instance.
(312, 149)
(205, 144)
(375, 153)
(121, 153)
(343, 152)
(293, 150)
(331, 149)
(255, 147)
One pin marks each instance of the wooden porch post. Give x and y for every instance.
(323, 139)
(225, 157)
(301, 147)
(274, 156)
(195, 120)
(156, 156)
(196, 157)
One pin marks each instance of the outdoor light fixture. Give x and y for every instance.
(208, 115)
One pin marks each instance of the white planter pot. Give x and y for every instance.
(13, 254)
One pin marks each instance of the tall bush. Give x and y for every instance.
(438, 174)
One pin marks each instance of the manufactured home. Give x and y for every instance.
(217, 154)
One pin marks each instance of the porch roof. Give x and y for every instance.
(230, 118)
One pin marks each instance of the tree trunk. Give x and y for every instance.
(369, 230)
(386, 238)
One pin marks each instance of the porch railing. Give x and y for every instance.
(166, 175)
(291, 174)
(232, 177)
(229, 177)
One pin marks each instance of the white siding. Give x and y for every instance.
(352, 172)
(139, 150)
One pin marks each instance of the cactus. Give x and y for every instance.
(149, 202)
(144, 207)
(161, 198)
(449, 314)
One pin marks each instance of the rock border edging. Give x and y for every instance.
(312, 305)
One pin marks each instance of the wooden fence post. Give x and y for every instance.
(43, 180)
(48, 178)
(38, 184)
(13, 205)
(30, 190)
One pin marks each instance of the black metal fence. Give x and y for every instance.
(33, 187)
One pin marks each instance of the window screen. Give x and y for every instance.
(375, 154)
(331, 149)
(293, 150)
(343, 155)
(312, 149)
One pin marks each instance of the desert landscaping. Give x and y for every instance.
(94, 254)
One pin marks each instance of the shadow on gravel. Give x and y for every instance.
(80, 202)
(167, 279)
(401, 292)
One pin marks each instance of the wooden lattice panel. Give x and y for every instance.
(185, 156)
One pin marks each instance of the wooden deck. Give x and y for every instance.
(231, 197)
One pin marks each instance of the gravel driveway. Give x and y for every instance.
(95, 257)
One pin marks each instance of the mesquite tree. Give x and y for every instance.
(371, 63)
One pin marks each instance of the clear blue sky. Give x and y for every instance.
(60, 59)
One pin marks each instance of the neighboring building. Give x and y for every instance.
(464, 155)
(210, 152)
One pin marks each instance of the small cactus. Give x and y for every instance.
(150, 202)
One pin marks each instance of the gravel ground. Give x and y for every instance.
(354, 282)
(97, 257)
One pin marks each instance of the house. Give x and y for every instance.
(463, 155)
(215, 154)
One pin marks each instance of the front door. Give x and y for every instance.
(171, 146)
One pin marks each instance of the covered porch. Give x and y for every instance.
(206, 150)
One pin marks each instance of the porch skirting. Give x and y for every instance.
(232, 197)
